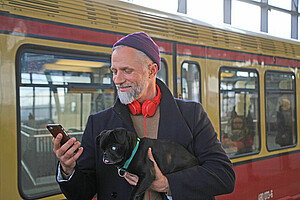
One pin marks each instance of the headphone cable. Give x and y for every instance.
(145, 136)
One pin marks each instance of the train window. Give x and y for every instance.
(163, 72)
(190, 81)
(280, 92)
(55, 88)
(239, 111)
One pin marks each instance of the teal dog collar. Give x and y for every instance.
(125, 166)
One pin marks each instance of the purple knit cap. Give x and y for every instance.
(142, 42)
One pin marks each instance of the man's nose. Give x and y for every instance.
(118, 78)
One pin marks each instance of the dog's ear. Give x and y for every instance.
(131, 137)
(100, 138)
(120, 135)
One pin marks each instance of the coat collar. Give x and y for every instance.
(172, 125)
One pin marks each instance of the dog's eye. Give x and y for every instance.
(113, 148)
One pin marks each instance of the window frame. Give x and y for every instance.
(295, 109)
(181, 80)
(167, 70)
(259, 134)
(39, 49)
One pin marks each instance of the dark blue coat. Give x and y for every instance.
(185, 122)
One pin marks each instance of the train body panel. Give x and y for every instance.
(271, 178)
(54, 65)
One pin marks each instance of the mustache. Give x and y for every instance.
(118, 86)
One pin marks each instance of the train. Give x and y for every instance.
(55, 68)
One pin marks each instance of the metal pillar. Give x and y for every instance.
(264, 16)
(227, 11)
(294, 20)
(182, 8)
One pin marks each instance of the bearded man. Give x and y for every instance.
(135, 63)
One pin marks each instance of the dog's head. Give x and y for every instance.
(117, 145)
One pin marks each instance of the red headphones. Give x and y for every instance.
(148, 108)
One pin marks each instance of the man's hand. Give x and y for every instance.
(160, 184)
(66, 155)
(132, 179)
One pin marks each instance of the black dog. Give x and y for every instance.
(127, 152)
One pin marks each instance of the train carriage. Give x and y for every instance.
(55, 68)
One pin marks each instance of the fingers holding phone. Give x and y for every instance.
(65, 148)
(67, 154)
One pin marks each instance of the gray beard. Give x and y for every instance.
(133, 94)
(127, 97)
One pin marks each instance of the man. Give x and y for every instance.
(135, 62)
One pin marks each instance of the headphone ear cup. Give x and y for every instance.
(148, 108)
(135, 108)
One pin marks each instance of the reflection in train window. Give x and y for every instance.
(280, 95)
(162, 74)
(239, 108)
(55, 89)
(190, 81)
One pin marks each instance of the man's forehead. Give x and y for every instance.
(122, 67)
(124, 62)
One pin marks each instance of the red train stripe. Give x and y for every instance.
(75, 33)
(234, 55)
(164, 46)
(52, 30)
(65, 32)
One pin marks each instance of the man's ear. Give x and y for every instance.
(153, 69)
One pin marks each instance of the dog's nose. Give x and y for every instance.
(114, 195)
(105, 155)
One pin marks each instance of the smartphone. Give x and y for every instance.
(55, 129)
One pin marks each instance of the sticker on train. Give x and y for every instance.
(266, 195)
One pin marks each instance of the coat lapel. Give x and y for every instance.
(172, 125)
(123, 112)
